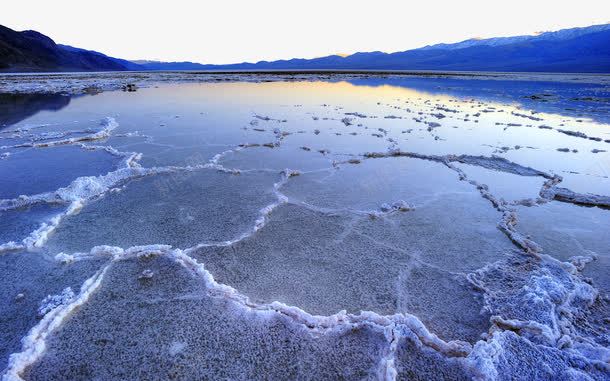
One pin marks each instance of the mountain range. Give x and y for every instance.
(583, 50)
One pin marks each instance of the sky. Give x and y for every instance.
(233, 31)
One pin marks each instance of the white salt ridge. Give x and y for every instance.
(318, 324)
(29, 127)
(80, 191)
(34, 343)
(387, 366)
(84, 188)
(39, 237)
(65, 258)
(286, 174)
(321, 324)
(499, 164)
(566, 195)
(130, 159)
(557, 300)
(60, 307)
(57, 308)
(28, 132)
(579, 262)
(261, 221)
(509, 217)
(494, 162)
(500, 358)
(385, 209)
(10, 246)
(281, 199)
(51, 302)
(76, 195)
(109, 124)
(526, 328)
(115, 252)
(214, 162)
(481, 360)
(400, 205)
(508, 222)
(508, 226)
(399, 325)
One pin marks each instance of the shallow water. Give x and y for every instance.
(372, 228)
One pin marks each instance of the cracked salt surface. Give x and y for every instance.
(330, 268)
(179, 209)
(218, 339)
(27, 279)
(17, 224)
(366, 227)
(507, 186)
(576, 232)
(276, 159)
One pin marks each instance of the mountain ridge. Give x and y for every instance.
(498, 41)
(30, 51)
(582, 49)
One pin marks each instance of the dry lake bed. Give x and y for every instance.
(304, 226)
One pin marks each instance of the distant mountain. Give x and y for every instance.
(569, 50)
(558, 36)
(127, 65)
(33, 51)
(158, 65)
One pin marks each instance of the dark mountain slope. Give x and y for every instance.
(33, 51)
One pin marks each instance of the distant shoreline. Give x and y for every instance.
(448, 73)
(92, 82)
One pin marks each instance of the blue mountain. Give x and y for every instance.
(570, 50)
(583, 50)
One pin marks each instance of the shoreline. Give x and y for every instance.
(88, 82)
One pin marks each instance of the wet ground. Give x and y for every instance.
(345, 227)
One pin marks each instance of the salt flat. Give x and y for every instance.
(305, 226)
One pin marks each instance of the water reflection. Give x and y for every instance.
(17, 107)
(570, 99)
